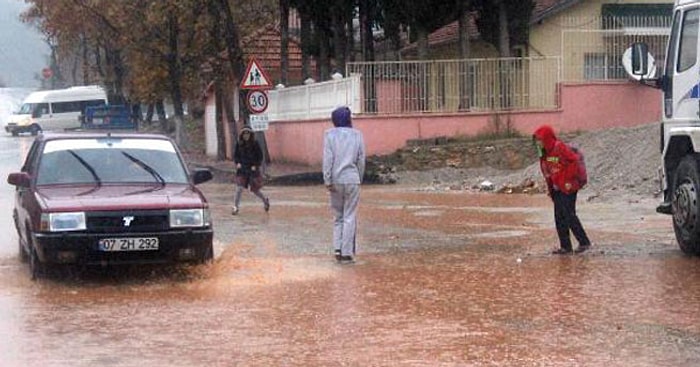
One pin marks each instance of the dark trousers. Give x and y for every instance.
(566, 220)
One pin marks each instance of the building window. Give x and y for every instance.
(595, 66)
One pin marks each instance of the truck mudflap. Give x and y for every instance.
(665, 206)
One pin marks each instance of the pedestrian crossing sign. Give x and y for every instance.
(255, 77)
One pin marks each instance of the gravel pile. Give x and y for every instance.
(621, 163)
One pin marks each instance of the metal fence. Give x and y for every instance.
(458, 85)
(592, 48)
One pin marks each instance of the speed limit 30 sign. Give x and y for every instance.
(257, 101)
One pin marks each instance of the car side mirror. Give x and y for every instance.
(19, 179)
(201, 175)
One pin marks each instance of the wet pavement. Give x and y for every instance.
(442, 279)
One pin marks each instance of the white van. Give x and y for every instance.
(57, 109)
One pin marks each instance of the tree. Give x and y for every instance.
(389, 18)
(367, 12)
(284, 40)
(504, 23)
(141, 51)
(463, 10)
(463, 13)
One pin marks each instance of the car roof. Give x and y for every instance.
(47, 136)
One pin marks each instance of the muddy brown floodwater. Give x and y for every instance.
(437, 283)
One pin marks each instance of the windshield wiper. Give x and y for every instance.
(87, 165)
(146, 167)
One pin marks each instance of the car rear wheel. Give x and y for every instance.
(684, 203)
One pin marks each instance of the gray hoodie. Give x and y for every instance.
(343, 156)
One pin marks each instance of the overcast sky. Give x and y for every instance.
(23, 52)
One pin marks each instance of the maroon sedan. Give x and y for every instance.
(99, 199)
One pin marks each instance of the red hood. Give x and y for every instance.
(121, 197)
(545, 134)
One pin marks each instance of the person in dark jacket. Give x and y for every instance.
(248, 157)
(559, 167)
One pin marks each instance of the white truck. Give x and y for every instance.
(57, 109)
(680, 126)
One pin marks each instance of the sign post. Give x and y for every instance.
(257, 82)
(259, 122)
(255, 77)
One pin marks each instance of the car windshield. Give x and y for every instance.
(110, 160)
(26, 108)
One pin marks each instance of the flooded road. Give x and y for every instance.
(437, 283)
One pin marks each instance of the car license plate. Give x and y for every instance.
(128, 244)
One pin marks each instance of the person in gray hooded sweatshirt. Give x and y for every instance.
(343, 170)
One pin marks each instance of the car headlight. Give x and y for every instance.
(189, 218)
(62, 222)
(25, 121)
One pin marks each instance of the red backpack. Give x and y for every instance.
(581, 173)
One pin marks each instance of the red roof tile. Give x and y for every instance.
(265, 45)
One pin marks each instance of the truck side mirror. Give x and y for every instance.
(639, 63)
(640, 59)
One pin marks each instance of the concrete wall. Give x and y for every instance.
(583, 107)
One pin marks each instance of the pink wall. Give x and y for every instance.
(583, 107)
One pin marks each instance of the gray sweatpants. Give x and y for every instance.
(344, 202)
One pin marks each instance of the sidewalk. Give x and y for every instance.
(276, 172)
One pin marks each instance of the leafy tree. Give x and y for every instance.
(144, 51)
(504, 22)
(463, 8)
(284, 7)
(390, 19)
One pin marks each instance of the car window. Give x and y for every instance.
(40, 109)
(687, 53)
(26, 108)
(118, 163)
(28, 165)
(63, 107)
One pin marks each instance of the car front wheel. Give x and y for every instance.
(36, 267)
(23, 256)
(35, 129)
(207, 256)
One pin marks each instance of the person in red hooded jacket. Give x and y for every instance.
(559, 168)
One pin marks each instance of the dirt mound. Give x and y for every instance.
(621, 162)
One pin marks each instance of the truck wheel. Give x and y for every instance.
(684, 203)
